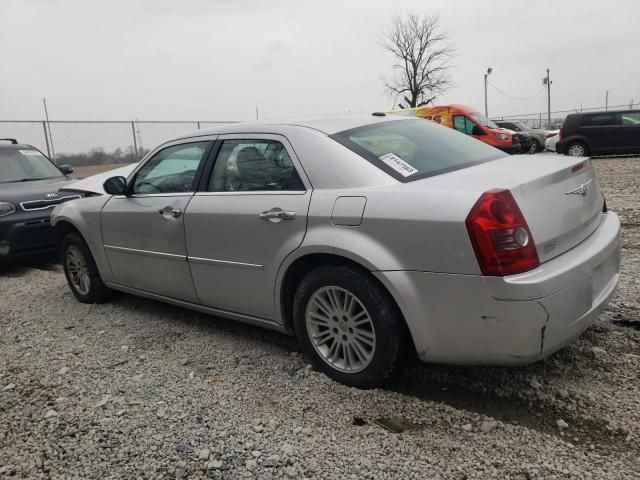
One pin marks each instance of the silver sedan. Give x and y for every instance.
(369, 238)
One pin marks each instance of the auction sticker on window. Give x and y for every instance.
(399, 165)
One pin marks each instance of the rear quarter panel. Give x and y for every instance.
(401, 229)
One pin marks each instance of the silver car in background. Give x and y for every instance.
(366, 237)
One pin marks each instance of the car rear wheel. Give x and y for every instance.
(81, 271)
(577, 150)
(348, 326)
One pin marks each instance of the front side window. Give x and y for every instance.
(253, 165)
(463, 124)
(412, 149)
(24, 165)
(171, 170)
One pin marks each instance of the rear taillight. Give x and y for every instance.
(500, 236)
(561, 132)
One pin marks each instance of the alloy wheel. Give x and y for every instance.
(576, 150)
(78, 270)
(340, 329)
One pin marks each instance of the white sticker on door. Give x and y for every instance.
(399, 165)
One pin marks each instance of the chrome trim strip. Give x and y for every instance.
(59, 200)
(262, 322)
(224, 263)
(153, 195)
(251, 192)
(146, 253)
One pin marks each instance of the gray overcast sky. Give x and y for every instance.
(219, 59)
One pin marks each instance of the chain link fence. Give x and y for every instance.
(101, 142)
(539, 120)
(83, 142)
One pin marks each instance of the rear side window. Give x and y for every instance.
(412, 149)
(629, 118)
(253, 165)
(598, 120)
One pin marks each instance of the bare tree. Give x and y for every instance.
(422, 60)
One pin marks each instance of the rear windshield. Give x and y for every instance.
(412, 149)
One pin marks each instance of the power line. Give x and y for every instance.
(517, 98)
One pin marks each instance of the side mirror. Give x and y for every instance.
(477, 130)
(115, 185)
(66, 169)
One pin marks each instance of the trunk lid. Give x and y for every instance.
(559, 196)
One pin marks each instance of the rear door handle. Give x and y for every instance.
(166, 211)
(277, 214)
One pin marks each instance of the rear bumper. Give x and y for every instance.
(470, 319)
(561, 146)
(26, 235)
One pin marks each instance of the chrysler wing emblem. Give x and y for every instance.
(581, 190)
(51, 195)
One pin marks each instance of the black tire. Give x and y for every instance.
(535, 147)
(390, 332)
(575, 146)
(97, 290)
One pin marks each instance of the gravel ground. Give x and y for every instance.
(139, 389)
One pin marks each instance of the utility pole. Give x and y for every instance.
(46, 114)
(486, 108)
(606, 100)
(547, 81)
(631, 104)
(257, 116)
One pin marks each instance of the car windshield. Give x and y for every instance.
(24, 165)
(482, 120)
(523, 126)
(412, 149)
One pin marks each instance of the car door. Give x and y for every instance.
(629, 131)
(251, 214)
(143, 231)
(602, 131)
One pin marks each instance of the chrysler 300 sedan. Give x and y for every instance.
(366, 237)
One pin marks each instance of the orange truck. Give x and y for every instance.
(468, 121)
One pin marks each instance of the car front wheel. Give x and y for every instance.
(535, 147)
(348, 326)
(81, 271)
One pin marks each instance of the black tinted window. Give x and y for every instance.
(412, 149)
(599, 119)
(629, 118)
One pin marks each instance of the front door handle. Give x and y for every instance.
(277, 214)
(166, 211)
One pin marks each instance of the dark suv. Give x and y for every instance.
(29, 184)
(600, 133)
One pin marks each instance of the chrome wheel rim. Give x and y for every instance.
(534, 147)
(576, 151)
(78, 270)
(340, 329)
